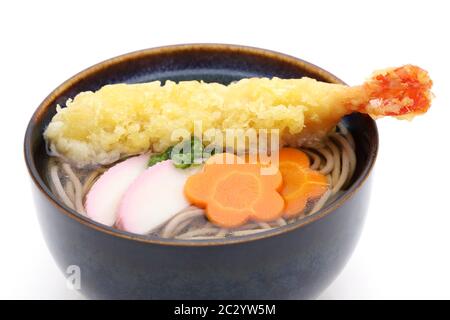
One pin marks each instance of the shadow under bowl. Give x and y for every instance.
(297, 261)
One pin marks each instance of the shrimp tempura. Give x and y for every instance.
(126, 119)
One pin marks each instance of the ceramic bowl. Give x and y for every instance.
(297, 261)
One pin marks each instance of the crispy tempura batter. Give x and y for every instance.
(120, 120)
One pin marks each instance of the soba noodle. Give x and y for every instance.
(336, 159)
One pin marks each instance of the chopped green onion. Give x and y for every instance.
(190, 152)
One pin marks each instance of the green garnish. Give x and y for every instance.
(190, 153)
(155, 158)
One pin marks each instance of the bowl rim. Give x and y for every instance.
(63, 209)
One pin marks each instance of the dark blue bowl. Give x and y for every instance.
(295, 261)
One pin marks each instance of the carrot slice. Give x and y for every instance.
(300, 183)
(233, 192)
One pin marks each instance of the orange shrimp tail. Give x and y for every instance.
(402, 92)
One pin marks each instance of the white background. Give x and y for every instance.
(404, 249)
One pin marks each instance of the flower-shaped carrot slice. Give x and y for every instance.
(300, 183)
(234, 192)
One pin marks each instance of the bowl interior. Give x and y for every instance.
(210, 63)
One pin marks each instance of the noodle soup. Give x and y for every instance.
(297, 260)
(131, 157)
(335, 159)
